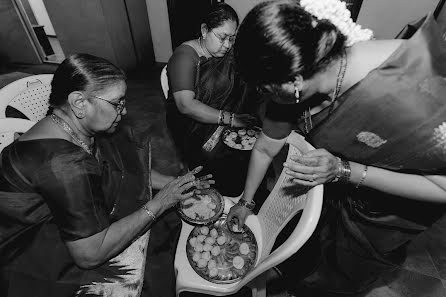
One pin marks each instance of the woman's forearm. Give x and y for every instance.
(98, 248)
(189, 106)
(258, 165)
(412, 186)
(201, 112)
(263, 153)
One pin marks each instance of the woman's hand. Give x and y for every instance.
(313, 168)
(180, 188)
(237, 216)
(243, 120)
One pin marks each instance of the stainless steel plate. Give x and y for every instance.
(202, 209)
(219, 260)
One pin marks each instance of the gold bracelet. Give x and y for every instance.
(221, 118)
(346, 172)
(339, 171)
(149, 212)
(232, 120)
(364, 175)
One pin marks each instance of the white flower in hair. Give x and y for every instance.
(336, 12)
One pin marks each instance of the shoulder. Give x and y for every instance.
(41, 159)
(371, 54)
(185, 51)
(364, 57)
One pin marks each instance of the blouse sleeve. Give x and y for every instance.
(182, 69)
(71, 186)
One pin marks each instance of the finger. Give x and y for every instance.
(298, 168)
(196, 170)
(204, 178)
(204, 182)
(305, 182)
(308, 161)
(301, 176)
(198, 192)
(234, 220)
(185, 187)
(186, 195)
(317, 153)
(184, 179)
(203, 186)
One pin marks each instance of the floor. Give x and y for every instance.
(422, 275)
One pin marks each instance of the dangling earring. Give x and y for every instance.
(296, 92)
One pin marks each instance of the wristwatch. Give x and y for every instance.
(248, 205)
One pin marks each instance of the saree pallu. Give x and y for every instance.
(395, 118)
(34, 260)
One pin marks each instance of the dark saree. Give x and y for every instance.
(52, 191)
(217, 85)
(395, 118)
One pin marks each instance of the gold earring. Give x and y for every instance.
(296, 92)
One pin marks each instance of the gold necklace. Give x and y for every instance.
(308, 123)
(64, 125)
(339, 80)
(201, 46)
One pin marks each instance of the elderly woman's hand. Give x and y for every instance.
(243, 120)
(180, 188)
(313, 168)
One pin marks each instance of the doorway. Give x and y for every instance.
(37, 20)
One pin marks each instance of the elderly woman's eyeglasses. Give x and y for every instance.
(222, 39)
(118, 105)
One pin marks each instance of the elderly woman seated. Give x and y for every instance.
(74, 203)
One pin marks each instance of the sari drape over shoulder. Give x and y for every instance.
(52, 191)
(395, 118)
(215, 84)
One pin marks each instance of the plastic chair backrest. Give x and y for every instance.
(29, 95)
(10, 126)
(164, 82)
(283, 203)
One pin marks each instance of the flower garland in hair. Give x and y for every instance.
(336, 12)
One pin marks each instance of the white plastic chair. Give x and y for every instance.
(164, 82)
(280, 207)
(10, 126)
(29, 95)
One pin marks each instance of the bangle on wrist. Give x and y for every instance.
(343, 172)
(221, 117)
(363, 176)
(232, 120)
(338, 172)
(346, 172)
(149, 212)
(249, 205)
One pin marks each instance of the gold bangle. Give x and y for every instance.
(346, 172)
(221, 117)
(364, 175)
(339, 171)
(149, 212)
(232, 120)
